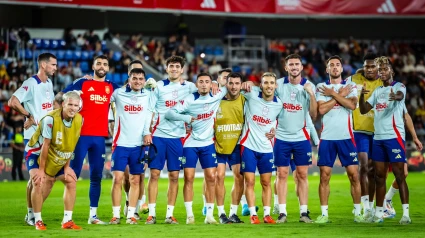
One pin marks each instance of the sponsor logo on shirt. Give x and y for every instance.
(172, 103)
(204, 116)
(381, 106)
(292, 107)
(46, 105)
(133, 109)
(229, 127)
(98, 99)
(261, 120)
(65, 155)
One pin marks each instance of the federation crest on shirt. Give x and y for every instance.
(206, 106)
(107, 90)
(293, 95)
(48, 94)
(382, 97)
(134, 99)
(175, 94)
(265, 111)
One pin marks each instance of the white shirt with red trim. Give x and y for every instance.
(337, 123)
(389, 115)
(260, 118)
(292, 124)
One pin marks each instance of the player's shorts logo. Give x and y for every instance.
(243, 165)
(183, 160)
(175, 94)
(31, 163)
(271, 161)
(353, 154)
(265, 111)
(112, 163)
(214, 155)
(107, 90)
(398, 156)
(134, 99)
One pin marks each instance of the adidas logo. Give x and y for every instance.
(355, 160)
(208, 4)
(387, 7)
(398, 156)
(91, 89)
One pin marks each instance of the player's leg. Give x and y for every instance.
(38, 184)
(362, 145)
(69, 196)
(282, 157)
(174, 155)
(326, 159)
(208, 161)
(398, 170)
(302, 158)
(29, 217)
(143, 206)
(126, 187)
(190, 158)
(96, 158)
(265, 168)
(119, 163)
(380, 164)
(371, 176)
(237, 191)
(248, 168)
(394, 189)
(204, 209)
(220, 190)
(136, 167)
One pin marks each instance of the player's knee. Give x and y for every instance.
(249, 183)
(220, 178)
(154, 176)
(118, 179)
(210, 178)
(302, 176)
(354, 178)
(324, 179)
(174, 179)
(364, 168)
(265, 183)
(71, 184)
(282, 175)
(134, 180)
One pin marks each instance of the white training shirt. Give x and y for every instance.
(389, 118)
(133, 112)
(260, 118)
(203, 109)
(165, 96)
(37, 98)
(337, 123)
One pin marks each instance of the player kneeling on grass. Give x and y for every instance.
(49, 153)
(133, 117)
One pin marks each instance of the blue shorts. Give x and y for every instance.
(329, 149)
(32, 163)
(391, 150)
(299, 152)
(206, 156)
(170, 150)
(232, 159)
(131, 156)
(252, 160)
(364, 143)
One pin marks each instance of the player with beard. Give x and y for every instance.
(36, 95)
(388, 142)
(95, 95)
(336, 100)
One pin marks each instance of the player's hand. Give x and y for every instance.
(39, 177)
(215, 89)
(69, 173)
(344, 91)
(246, 86)
(192, 120)
(147, 140)
(325, 91)
(29, 122)
(392, 96)
(188, 128)
(88, 76)
(364, 90)
(270, 135)
(150, 83)
(308, 88)
(418, 144)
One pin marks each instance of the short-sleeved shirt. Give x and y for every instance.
(37, 98)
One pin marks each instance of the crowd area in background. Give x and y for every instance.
(407, 59)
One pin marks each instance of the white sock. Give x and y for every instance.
(210, 209)
(276, 200)
(126, 196)
(385, 204)
(189, 210)
(390, 194)
(379, 212)
(221, 210)
(67, 216)
(252, 211)
(243, 200)
(93, 212)
(365, 200)
(152, 211)
(371, 204)
(324, 210)
(204, 199)
(233, 210)
(139, 203)
(405, 209)
(266, 211)
(30, 213)
(37, 216)
(116, 211)
(303, 209)
(282, 209)
(358, 209)
(170, 211)
(131, 211)
(143, 201)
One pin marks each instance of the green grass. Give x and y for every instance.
(13, 209)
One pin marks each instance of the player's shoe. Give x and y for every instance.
(390, 207)
(245, 210)
(30, 222)
(204, 211)
(276, 209)
(210, 220)
(235, 219)
(115, 221)
(321, 219)
(281, 218)
(39, 225)
(190, 220)
(145, 208)
(405, 220)
(388, 215)
(131, 221)
(368, 215)
(137, 216)
(254, 220)
(376, 219)
(151, 220)
(269, 220)
(360, 219)
(223, 219)
(305, 218)
(96, 221)
(70, 225)
(171, 220)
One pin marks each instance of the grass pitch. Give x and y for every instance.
(13, 209)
